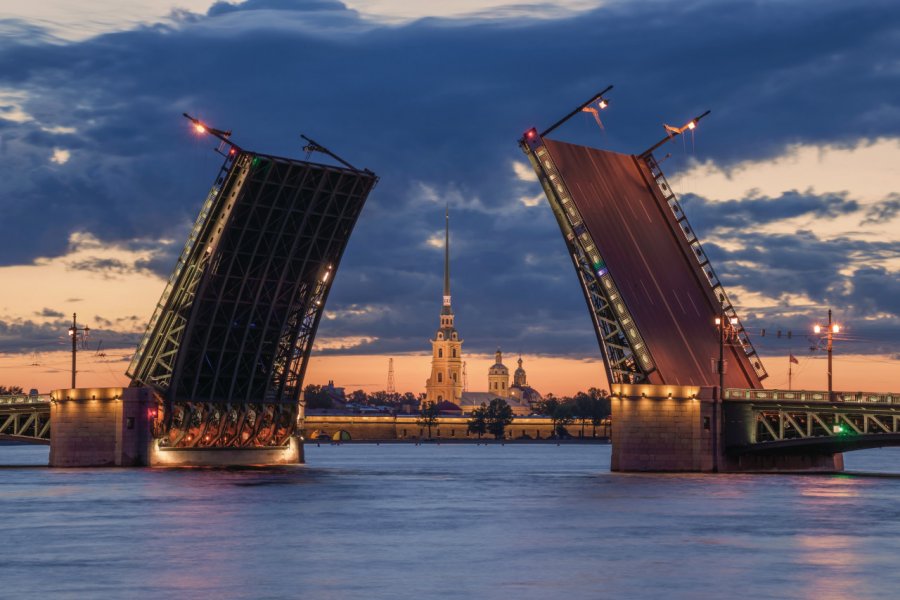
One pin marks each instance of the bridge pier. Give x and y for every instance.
(100, 427)
(113, 427)
(662, 428)
(671, 429)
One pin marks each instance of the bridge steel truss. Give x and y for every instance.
(228, 344)
(25, 419)
(764, 421)
(626, 357)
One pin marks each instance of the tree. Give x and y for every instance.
(428, 416)
(359, 397)
(600, 409)
(314, 398)
(13, 390)
(497, 417)
(478, 422)
(583, 408)
(560, 414)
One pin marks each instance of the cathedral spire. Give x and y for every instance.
(447, 258)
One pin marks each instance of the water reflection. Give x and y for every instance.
(449, 521)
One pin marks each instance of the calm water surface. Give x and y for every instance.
(448, 521)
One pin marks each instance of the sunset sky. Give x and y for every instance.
(792, 182)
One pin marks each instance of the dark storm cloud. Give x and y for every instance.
(803, 263)
(435, 107)
(756, 211)
(24, 335)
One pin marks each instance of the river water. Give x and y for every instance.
(447, 521)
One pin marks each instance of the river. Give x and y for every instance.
(447, 521)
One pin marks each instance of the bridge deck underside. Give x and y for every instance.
(649, 259)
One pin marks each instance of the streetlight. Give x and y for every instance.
(722, 323)
(731, 322)
(74, 330)
(830, 329)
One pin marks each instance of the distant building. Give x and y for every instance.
(519, 396)
(445, 383)
(335, 394)
(445, 386)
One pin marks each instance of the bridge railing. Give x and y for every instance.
(24, 399)
(812, 396)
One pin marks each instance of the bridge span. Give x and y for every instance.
(25, 418)
(768, 422)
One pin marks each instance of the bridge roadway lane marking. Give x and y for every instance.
(649, 271)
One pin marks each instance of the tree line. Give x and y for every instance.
(591, 407)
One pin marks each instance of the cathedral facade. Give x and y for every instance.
(445, 386)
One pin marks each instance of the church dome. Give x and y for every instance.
(498, 368)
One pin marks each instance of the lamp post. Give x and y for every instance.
(831, 329)
(729, 323)
(74, 330)
(722, 322)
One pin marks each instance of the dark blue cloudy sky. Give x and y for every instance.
(92, 143)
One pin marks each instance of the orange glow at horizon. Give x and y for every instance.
(561, 376)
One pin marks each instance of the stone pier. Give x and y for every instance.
(112, 427)
(662, 428)
(101, 427)
(682, 428)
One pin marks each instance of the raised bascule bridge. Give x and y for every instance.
(218, 374)
(686, 381)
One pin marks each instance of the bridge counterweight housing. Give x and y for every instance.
(228, 344)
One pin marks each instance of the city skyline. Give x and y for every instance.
(797, 208)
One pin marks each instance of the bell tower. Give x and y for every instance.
(446, 382)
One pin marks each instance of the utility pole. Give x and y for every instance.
(830, 343)
(833, 328)
(74, 330)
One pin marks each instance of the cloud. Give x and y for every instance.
(435, 107)
(758, 210)
(883, 211)
(25, 335)
(60, 155)
(49, 312)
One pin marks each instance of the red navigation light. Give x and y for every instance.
(232, 151)
(531, 133)
(151, 413)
